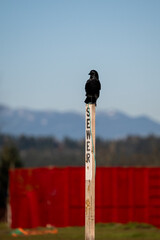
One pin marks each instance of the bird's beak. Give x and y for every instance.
(89, 74)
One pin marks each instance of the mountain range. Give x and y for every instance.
(109, 125)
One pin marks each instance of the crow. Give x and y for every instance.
(92, 87)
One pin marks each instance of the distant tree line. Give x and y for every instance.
(44, 151)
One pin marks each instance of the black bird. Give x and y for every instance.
(92, 87)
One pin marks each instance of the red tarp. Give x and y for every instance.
(57, 196)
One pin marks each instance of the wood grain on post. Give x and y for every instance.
(90, 172)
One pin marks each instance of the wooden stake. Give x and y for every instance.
(90, 172)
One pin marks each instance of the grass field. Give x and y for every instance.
(103, 232)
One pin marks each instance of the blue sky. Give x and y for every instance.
(47, 49)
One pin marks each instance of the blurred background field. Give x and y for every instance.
(47, 50)
(109, 231)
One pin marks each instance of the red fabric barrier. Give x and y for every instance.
(56, 196)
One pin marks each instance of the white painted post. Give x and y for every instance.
(90, 172)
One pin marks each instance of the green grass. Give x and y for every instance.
(111, 231)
